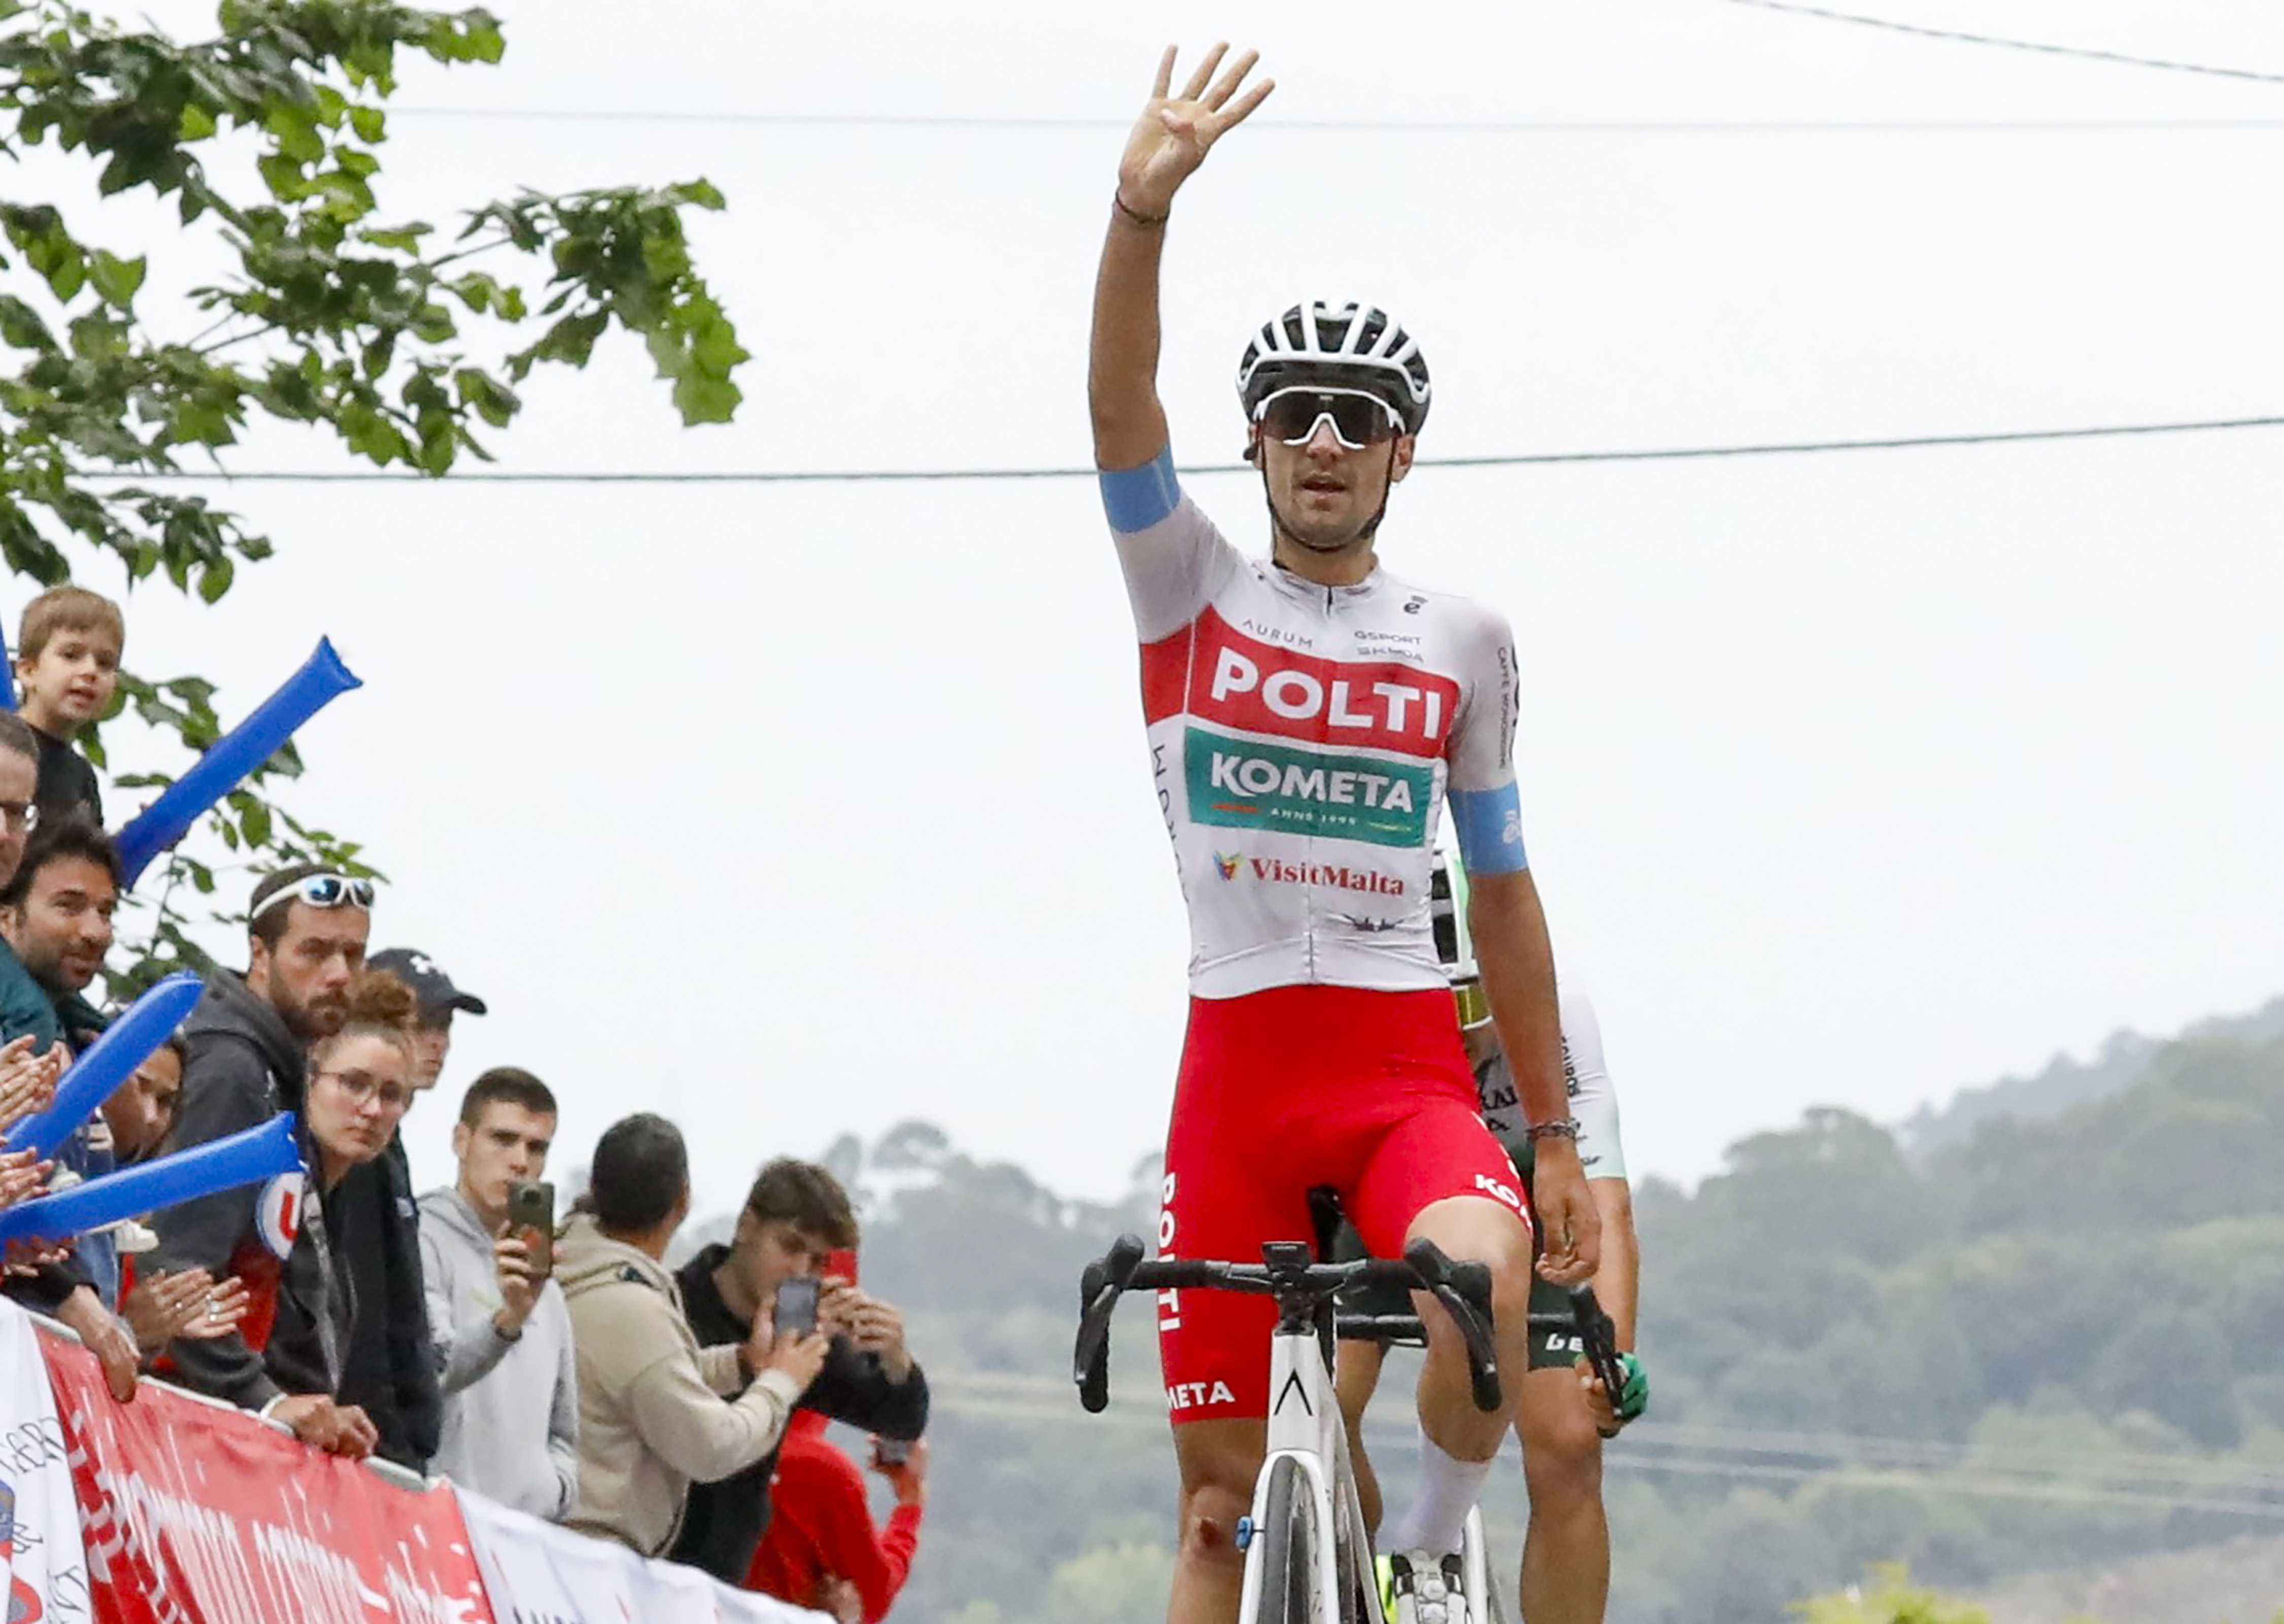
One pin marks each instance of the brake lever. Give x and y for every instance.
(1465, 1290)
(1098, 1289)
(1598, 1334)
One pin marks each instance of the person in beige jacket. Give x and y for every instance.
(653, 1416)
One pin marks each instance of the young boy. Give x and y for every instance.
(68, 653)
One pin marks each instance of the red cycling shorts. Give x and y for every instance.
(1282, 1091)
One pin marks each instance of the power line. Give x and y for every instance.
(2086, 53)
(874, 476)
(1527, 126)
(1977, 1481)
(2074, 1494)
(2079, 1464)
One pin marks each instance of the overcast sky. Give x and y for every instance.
(1850, 778)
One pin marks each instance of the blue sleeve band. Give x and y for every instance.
(1135, 498)
(1489, 823)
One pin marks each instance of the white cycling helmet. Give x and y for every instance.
(1350, 346)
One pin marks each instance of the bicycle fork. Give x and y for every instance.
(1305, 1426)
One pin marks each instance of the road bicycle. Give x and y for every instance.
(1308, 1555)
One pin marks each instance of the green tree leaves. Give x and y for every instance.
(401, 347)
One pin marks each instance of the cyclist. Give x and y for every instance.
(1305, 714)
(1566, 1555)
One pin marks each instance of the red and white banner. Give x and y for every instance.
(172, 1509)
(538, 1574)
(195, 1513)
(43, 1566)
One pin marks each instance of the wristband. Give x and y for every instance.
(1560, 1128)
(1135, 215)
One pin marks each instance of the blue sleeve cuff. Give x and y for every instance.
(1489, 824)
(1135, 498)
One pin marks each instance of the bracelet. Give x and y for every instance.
(1138, 218)
(1560, 1128)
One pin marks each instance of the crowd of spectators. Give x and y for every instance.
(560, 1368)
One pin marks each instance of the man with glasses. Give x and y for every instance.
(1306, 716)
(247, 1044)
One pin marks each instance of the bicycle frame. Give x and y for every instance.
(1306, 1436)
(1305, 1427)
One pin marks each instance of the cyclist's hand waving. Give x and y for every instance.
(1174, 134)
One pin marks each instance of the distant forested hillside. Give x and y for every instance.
(2056, 1341)
(2064, 1082)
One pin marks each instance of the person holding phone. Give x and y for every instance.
(501, 1330)
(821, 1549)
(658, 1410)
(794, 1247)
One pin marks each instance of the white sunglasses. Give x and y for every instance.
(1358, 418)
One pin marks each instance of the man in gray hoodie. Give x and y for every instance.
(501, 1332)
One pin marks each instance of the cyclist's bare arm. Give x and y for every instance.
(1518, 970)
(1617, 1277)
(1169, 141)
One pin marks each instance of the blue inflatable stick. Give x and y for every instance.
(322, 679)
(245, 1158)
(109, 1061)
(7, 676)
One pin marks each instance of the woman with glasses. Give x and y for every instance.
(305, 1310)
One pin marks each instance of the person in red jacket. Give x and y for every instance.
(821, 1548)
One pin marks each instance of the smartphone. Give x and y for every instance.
(892, 1451)
(532, 1206)
(795, 1314)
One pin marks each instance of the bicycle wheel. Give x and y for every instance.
(1286, 1542)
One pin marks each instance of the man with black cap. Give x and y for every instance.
(439, 999)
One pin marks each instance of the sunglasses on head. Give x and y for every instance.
(1359, 419)
(322, 891)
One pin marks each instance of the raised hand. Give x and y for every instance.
(21, 1176)
(187, 1304)
(162, 1304)
(1174, 134)
(226, 1305)
(798, 1356)
(519, 1282)
(27, 1082)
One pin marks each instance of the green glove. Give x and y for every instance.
(1633, 1397)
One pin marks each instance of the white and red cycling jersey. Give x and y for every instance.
(1303, 740)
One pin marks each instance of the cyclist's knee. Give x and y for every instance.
(1210, 1512)
(1471, 1228)
(1219, 1460)
(1562, 1451)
